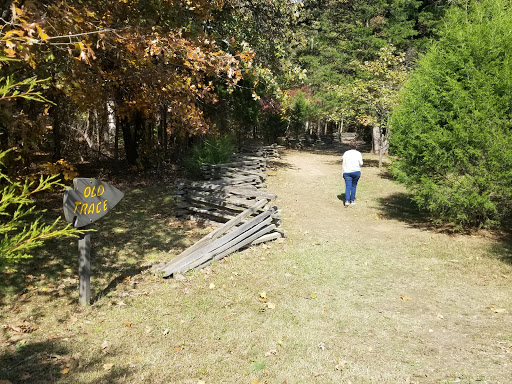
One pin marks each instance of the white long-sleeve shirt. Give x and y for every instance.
(352, 161)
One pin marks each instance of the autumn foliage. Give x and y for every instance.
(154, 63)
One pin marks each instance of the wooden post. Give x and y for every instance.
(84, 269)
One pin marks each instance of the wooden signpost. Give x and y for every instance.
(88, 201)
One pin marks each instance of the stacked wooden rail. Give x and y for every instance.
(248, 170)
(268, 151)
(228, 239)
(232, 195)
(215, 201)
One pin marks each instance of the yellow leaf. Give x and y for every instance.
(65, 371)
(128, 323)
(255, 382)
(405, 298)
(42, 35)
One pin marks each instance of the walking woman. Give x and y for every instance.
(352, 162)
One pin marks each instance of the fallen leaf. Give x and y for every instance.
(108, 367)
(271, 306)
(405, 298)
(128, 323)
(313, 296)
(263, 294)
(5, 382)
(497, 310)
(439, 316)
(272, 352)
(65, 371)
(178, 348)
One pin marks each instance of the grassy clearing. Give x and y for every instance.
(367, 294)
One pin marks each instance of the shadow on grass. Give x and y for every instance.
(137, 228)
(280, 164)
(401, 207)
(52, 361)
(502, 249)
(371, 163)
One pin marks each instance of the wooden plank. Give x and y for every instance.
(267, 237)
(244, 191)
(227, 247)
(239, 246)
(233, 202)
(211, 213)
(219, 231)
(218, 203)
(172, 267)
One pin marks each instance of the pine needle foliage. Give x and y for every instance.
(211, 150)
(21, 226)
(452, 130)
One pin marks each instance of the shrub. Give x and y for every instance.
(212, 150)
(21, 226)
(452, 130)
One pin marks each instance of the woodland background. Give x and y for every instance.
(101, 87)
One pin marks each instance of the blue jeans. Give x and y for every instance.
(351, 180)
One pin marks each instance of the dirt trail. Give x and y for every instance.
(418, 304)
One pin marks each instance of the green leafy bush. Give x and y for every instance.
(21, 226)
(212, 150)
(452, 130)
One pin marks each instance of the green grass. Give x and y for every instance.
(368, 294)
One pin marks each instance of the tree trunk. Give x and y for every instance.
(376, 139)
(130, 142)
(110, 134)
(57, 129)
(116, 140)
